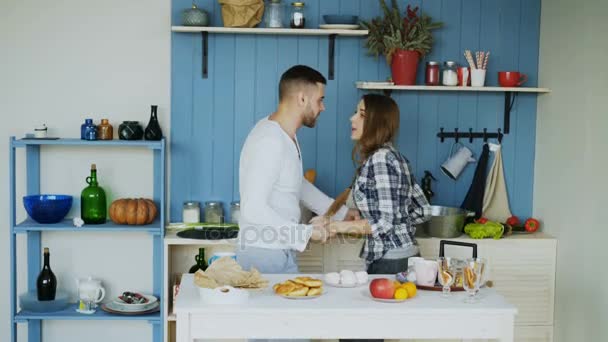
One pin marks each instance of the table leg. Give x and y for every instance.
(507, 333)
(182, 325)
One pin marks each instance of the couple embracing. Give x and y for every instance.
(384, 203)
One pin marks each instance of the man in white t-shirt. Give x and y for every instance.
(272, 183)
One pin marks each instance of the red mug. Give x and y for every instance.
(511, 78)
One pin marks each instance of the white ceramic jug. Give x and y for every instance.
(457, 161)
(90, 290)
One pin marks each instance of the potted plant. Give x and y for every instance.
(403, 40)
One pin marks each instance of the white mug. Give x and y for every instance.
(426, 272)
(457, 161)
(478, 77)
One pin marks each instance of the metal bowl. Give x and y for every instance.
(445, 222)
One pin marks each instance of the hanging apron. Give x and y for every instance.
(495, 199)
(474, 198)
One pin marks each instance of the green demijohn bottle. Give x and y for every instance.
(93, 201)
(201, 264)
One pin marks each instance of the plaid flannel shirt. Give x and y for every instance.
(387, 195)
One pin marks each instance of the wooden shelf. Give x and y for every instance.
(509, 93)
(283, 31)
(389, 87)
(331, 34)
(172, 239)
(71, 315)
(155, 145)
(68, 225)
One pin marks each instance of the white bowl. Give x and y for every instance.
(224, 295)
(124, 306)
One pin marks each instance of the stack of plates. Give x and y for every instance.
(118, 306)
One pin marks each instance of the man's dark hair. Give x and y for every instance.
(299, 75)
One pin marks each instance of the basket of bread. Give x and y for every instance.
(299, 288)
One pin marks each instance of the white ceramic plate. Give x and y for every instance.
(338, 27)
(369, 295)
(126, 307)
(121, 308)
(303, 297)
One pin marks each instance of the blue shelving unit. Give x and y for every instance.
(33, 230)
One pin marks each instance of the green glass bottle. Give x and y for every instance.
(201, 264)
(93, 201)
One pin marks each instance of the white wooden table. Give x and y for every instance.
(343, 313)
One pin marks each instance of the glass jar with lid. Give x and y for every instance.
(450, 74)
(432, 73)
(297, 19)
(274, 14)
(235, 212)
(214, 212)
(191, 212)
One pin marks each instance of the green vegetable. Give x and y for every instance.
(489, 229)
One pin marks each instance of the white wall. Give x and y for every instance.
(62, 61)
(571, 161)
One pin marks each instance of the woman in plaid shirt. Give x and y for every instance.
(384, 190)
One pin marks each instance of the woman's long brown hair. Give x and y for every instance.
(380, 125)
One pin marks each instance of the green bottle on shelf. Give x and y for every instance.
(201, 264)
(93, 201)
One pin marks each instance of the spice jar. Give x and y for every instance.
(274, 14)
(235, 212)
(450, 74)
(297, 20)
(191, 212)
(432, 73)
(105, 131)
(214, 212)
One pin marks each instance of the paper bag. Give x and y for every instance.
(242, 13)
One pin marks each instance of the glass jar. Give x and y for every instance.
(105, 131)
(297, 19)
(235, 212)
(274, 14)
(450, 74)
(191, 212)
(214, 212)
(432, 73)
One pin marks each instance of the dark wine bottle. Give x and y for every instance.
(153, 131)
(201, 264)
(46, 285)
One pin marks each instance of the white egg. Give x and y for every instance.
(332, 278)
(362, 277)
(347, 272)
(348, 279)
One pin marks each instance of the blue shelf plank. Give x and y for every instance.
(71, 314)
(67, 225)
(155, 145)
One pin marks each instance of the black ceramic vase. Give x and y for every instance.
(130, 130)
(153, 131)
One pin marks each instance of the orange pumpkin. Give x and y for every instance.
(133, 211)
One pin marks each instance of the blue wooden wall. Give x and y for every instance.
(210, 118)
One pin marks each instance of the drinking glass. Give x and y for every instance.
(471, 278)
(446, 274)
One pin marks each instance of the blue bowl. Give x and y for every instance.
(333, 19)
(47, 208)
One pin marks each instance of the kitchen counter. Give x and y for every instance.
(343, 313)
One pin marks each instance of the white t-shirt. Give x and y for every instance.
(271, 188)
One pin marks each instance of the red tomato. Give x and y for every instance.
(382, 288)
(481, 220)
(513, 221)
(532, 225)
